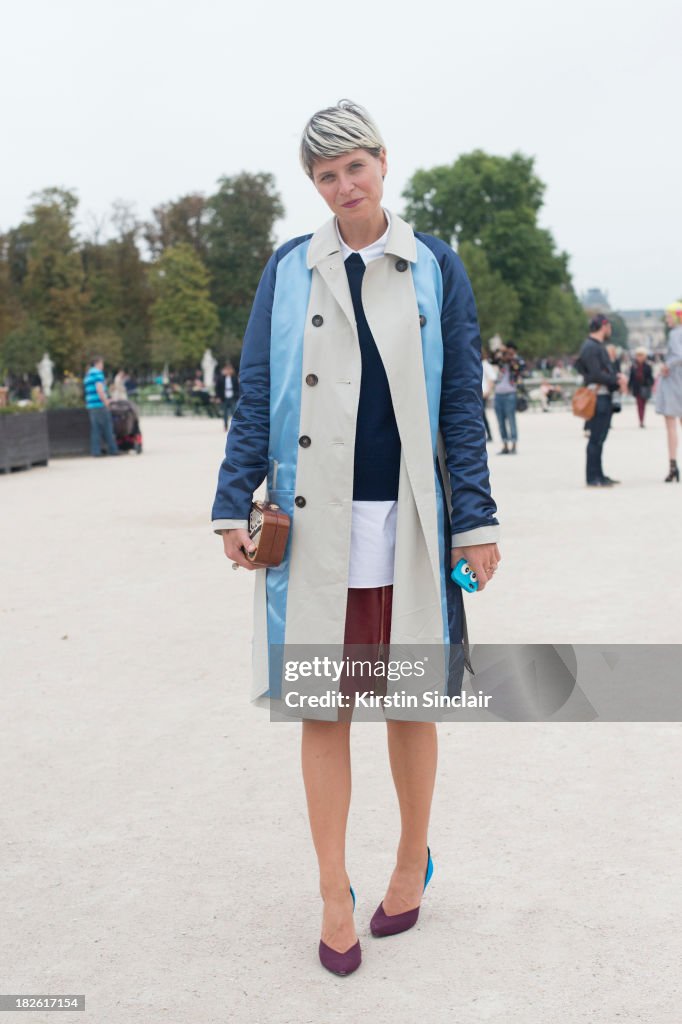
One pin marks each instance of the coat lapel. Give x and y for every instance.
(324, 255)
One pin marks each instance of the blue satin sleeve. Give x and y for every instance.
(245, 465)
(461, 405)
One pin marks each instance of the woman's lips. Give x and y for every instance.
(353, 202)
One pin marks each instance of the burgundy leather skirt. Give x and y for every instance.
(367, 635)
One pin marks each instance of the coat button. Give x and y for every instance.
(422, 320)
(311, 379)
(299, 501)
(401, 265)
(318, 320)
(304, 441)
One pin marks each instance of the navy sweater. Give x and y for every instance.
(377, 441)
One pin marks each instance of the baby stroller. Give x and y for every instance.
(126, 426)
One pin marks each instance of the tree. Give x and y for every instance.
(497, 302)
(118, 292)
(45, 267)
(106, 343)
(492, 203)
(22, 347)
(563, 328)
(239, 242)
(183, 220)
(183, 317)
(619, 331)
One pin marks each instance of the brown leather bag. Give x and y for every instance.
(584, 403)
(269, 529)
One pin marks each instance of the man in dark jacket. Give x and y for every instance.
(227, 391)
(596, 367)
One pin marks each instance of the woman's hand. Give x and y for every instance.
(234, 543)
(482, 558)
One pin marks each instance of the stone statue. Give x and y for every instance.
(208, 365)
(45, 372)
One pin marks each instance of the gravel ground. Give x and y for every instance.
(156, 853)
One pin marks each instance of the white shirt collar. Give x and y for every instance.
(371, 252)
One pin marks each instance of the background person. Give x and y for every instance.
(669, 386)
(641, 381)
(119, 392)
(599, 373)
(227, 391)
(317, 415)
(510, 366)
(97, 403)
(490, 374)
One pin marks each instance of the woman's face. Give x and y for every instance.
(640, 356)
(671, 320)
(352, 184)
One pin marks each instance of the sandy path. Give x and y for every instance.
(154, 843)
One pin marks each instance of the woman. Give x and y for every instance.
(510, 369)
(641, 381)
(119, 392)
(669, 386)
(361, 404)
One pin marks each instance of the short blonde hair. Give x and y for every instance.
(675, 309)
(641, 351)
(337, 130)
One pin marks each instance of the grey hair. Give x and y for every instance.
(337, 130)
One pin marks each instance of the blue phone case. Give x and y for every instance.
(465, 576)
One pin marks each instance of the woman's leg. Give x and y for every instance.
(413, 753)
(325, 759)
(511, 412)
(501, 421)
(671, 429)
(640, 409)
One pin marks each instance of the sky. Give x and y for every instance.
(145, 101)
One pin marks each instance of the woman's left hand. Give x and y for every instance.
(482, 558)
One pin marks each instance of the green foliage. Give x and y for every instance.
(239, 242)
(105, 342)
(497, 302)
(67, 394)
(66, 296)
(488, 206)
(184, 318)
(118, 292)
(12, 408)
(619, 331)
(563, 327)
(22, 348)
(45, 267)
(183, 220)
(459, 202)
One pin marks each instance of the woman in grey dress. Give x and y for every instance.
(669, 389)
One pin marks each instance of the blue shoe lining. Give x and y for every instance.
(429, 868)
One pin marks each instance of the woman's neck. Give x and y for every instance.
(359, 234)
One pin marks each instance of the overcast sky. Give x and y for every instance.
(148, 100)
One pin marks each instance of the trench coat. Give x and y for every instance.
(300, 377)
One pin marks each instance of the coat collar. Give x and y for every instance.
(400, 242)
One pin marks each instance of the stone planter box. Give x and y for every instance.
(69, 432)
(23, 440)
